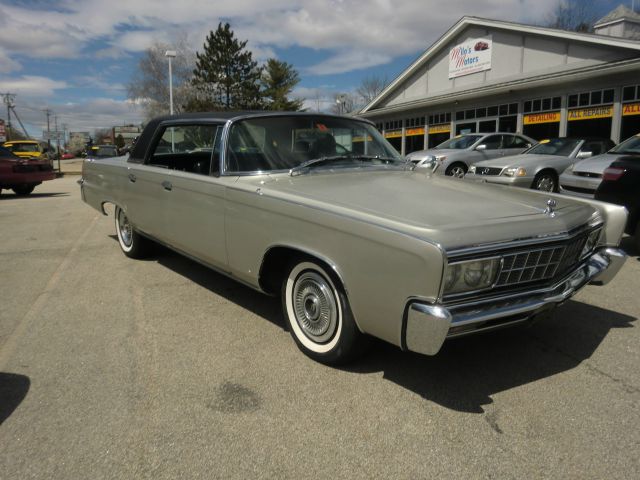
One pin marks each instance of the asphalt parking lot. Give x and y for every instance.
(116, 368)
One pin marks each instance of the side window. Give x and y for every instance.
(493, 142)
(594, 147)
(513, 141)
(188, 148)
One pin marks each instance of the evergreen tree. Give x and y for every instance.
(226, 77)
(278, 80)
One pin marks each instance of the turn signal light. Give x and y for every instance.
(613, 173)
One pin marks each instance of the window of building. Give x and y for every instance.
(587, 99)
(541, 105)
(631, 93)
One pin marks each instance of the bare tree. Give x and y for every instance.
(343, 103)
(575, 15)
(149, 84)
(371, 87)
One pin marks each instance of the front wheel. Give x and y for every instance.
(457, 170)
(133, 244)
(318, 315)
(546, 182)
(23, 190)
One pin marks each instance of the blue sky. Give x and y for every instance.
(76, 56)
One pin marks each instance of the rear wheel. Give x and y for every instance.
(546, 182)
(318, 315)
(457, 170)
(133, 244)
(23, 190)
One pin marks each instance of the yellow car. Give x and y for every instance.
(27, 149)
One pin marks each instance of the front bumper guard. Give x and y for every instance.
(429, 325)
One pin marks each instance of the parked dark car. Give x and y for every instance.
(22, 175)
(621, 185)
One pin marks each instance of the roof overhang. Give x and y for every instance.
(549, 79)
(465, 22)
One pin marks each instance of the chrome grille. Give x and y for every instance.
(538, 264)
(488, 171)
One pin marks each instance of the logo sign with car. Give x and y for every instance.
(470, 57)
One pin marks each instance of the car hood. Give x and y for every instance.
(596, 164)
(522, 160)
(446, 210)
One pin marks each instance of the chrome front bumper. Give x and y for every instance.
(428, 326)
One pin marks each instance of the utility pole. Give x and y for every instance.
(57, 141)
(47, 112)
(8, 99)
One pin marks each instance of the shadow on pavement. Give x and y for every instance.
(13, 389)
(243, 296)
(629, 245)
(468, 371)
(12, 196)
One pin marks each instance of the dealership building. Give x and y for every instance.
(490, 75)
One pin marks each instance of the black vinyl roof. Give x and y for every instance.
(138, 152)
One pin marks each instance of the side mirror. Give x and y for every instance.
(481, 147)
(583, 155)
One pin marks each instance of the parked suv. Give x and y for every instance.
(456, 155)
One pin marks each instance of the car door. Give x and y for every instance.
(514, 144)
(492, 147)
(194, 194)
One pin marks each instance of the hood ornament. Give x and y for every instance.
(551, 207)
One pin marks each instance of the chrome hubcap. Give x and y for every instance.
(315, 307)
(545, 184)
(457, 172)
(125, 228)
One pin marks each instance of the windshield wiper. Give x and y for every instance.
(305, 166)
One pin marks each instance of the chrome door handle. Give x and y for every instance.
(132, 178)
(167, 185)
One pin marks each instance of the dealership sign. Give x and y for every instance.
(590, 113)
(470, 57)
(631, 109)
(536, 118)
(441, 128)
(414, 131)
(393, 134)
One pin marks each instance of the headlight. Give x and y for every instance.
(515, 172)
(440, 158)
(470, 275)
(590, 244)
(472, 169)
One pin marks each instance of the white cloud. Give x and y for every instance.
(7, 64)
(355, 34)
(32, 86)
(84, 116)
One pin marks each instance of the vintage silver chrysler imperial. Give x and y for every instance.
(321, 210)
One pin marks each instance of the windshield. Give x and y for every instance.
(285, 143)
(555, 146)
(460, 142)
(630, 145)
(24, 147)
(5, 152)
